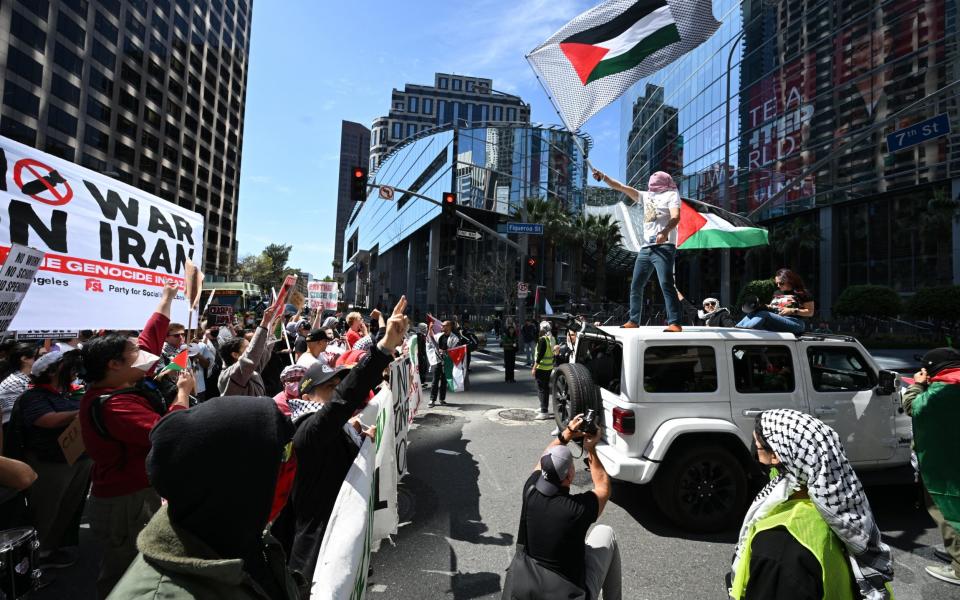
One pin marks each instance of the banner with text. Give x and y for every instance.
(108, 246)
(322, 295)
(16, 275)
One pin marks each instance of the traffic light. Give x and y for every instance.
(449, 205)
(531, 270)
(358, 184)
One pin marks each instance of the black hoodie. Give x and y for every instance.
(217, 465)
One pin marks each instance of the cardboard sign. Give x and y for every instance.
(108, 246)
(220, 314)
(16, 275)
(285, 289)
(323, 295)
(193, 284)
(71, 442)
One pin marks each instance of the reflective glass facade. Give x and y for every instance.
(390, 246)
(813, 89)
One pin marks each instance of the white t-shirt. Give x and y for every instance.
(652, 213)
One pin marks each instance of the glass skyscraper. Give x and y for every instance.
(150, 92)
(809, 90)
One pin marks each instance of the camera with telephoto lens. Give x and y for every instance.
(588, 426)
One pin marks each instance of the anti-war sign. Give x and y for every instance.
(109, 247)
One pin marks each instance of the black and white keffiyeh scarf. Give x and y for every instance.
(812, 458)
(302, 408)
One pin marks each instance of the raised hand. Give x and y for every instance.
(396, 326)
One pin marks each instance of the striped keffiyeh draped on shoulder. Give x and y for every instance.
(812, 458)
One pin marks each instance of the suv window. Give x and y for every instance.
(763, 369)
(604, 360)
(834, 369)
(679, 369)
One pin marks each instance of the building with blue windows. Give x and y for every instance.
(407, 246)
(784, 114)
(452, 100)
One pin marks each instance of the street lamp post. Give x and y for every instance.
(725, 292)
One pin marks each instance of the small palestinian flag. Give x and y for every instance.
(454, 366)
(598, 55)
(179, 363)
(704, 226)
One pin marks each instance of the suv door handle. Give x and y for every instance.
(751, 412)
(825, 410)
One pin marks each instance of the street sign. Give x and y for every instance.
(924, 131)
(523, 290)
(386, 192)
(470, 235)
(528, 228)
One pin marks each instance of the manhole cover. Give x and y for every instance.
(517, 414)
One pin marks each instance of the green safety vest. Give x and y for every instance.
(801, 519)
(545, 362)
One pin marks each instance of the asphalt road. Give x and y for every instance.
(460, 507)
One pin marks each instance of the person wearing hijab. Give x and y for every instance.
(655, 214)
(933, 401)
(217, 465)
(810, 533)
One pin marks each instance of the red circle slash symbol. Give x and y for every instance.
(43, 181)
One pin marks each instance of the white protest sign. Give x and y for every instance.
(19, 268)
(322, 295)
(108, 246)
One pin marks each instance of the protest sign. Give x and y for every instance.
(323, 295)
(71, 442)
(416, 386)
(108, 246)
(220, 314)
(16, 275)
(47, 334)
(281, 298)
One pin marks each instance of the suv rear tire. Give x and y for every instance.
(702, 489)
(574, 392)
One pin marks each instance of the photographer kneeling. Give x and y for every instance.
(556, 557)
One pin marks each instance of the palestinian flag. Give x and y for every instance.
(454, 367)
(704, 226)
(179, 363)
(598, 55)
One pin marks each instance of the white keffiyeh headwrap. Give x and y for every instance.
(812, 458)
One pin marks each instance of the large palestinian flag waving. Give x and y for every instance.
(595, 57)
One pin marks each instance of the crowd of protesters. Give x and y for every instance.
(177, 425)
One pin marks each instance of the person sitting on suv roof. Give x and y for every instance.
(810, 532)
(791, 307)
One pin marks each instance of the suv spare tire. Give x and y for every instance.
(702, 488)
(574, 392)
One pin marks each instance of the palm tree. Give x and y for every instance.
(579, 233)
(554, 219)
(605, 233)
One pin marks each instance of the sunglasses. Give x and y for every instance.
(181, 334)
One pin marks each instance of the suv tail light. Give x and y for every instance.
(624, 421)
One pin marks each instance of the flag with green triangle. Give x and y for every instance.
(178, 363)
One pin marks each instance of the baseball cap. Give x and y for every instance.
(555, 465)
(47, 360)
(318, 335)
(317, 374)
(934, 361)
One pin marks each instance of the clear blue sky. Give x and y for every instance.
(313, 64)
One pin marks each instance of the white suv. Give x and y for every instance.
(679, 408)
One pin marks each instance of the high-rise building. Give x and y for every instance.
(354, 152)
(150, 93)
(654, 143)
(453, 100)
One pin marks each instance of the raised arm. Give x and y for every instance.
(632, 193)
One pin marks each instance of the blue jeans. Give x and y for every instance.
(660, 258)
(769, 321)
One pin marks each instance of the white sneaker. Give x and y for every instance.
(943, 573)
(543, 416)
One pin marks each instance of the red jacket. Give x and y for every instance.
(119, 462)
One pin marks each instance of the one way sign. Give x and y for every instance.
(470, 235)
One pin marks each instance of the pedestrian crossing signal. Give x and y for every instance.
(358, 184)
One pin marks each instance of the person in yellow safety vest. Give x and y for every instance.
(810, 533)
(542, 366)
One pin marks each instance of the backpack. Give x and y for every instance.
(143, 389)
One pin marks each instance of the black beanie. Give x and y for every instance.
(939, 359)
(217, 465)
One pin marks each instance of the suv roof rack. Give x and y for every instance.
(841, 337)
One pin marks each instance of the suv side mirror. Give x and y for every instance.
(888, 383)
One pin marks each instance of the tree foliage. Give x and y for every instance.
(939, 303)
(268, 268)
(868, 300)
(761, 288)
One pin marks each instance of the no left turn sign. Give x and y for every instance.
(386, 192)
